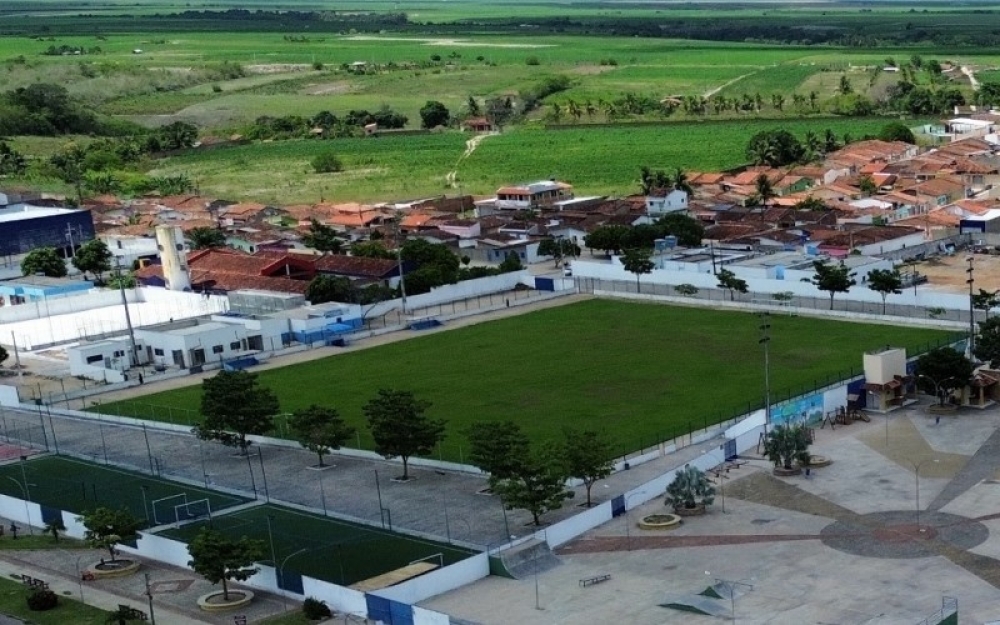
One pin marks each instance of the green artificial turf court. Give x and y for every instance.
(642, 372)
(335, 551)
(77, 486)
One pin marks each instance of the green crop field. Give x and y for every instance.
(336, 551)
(642, 372)
(76, 486)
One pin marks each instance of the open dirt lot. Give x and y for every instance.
(948, 273)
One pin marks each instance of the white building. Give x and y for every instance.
(674, 202)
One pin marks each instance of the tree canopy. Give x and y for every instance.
(540, 484)
(400, 427)
(884, 282)
(105, 528)
(235, 406)
(434, 114)
(637, 261)
(322, 238)
(94, 257)
(320, 429)
(774, 148)
(589, 456)
(218, 558)
(203, 237)
(498, 448)
(43, 260)
(944, 369)
(832, 278)
(729, 281)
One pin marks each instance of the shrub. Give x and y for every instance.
(216, 89)
(41, 600)
(327, 163)
(314, 609)
(689, 488)
(532, 60)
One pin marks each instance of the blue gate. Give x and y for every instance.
(545, 284)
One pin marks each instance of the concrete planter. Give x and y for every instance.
(113, 568)
(816, 461)
(783, 472)
(942, 409)
(697, 510)
(660, 522)
(214, 602)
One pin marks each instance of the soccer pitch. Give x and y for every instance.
(323, 548)
(642, 372)
(77, 486)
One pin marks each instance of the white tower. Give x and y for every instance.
(173, 256)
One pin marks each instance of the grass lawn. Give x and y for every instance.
(38, 541)
(337, 551)
(643, 372)
(76, 486)
(68, 612)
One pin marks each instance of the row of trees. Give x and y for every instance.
(778, 148)
(615, 238)
(351, 124)
(92, 257)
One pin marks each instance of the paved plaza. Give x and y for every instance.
(842, 546)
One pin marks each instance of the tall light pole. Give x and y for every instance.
(128, 318)
(27, 509)
(972, 310)
(281, 576)
(765, 340)
(916, 474)
(399, 259)
(628, 525)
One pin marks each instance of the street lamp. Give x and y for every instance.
(916, 473)
(972, 309)
(722, 477)
(628, 534)
(937, 385)
(27, 509)
(281, 576)
(765, 340)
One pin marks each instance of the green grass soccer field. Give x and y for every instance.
(642, 372)
(77, 486)
(335, 551)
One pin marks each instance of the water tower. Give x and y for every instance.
(173, 257)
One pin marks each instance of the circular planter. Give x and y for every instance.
(121, 567)
(783, 472)
(942, 409)
(660, 522)
(213, 601)
(816, 461)
(697, 510)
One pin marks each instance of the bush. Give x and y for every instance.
(532, 60)
(314, 609)
(327, 163)
(41, 600)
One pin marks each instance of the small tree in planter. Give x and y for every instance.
(218, 558)
(785, 445)
(690, 491)
(106, 528)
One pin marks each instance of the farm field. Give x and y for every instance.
(336, 551)
(644, 372)
(76, 486)
(596, 159)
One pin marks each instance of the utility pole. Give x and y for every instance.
(128, 317)
(972, 311)
(17, 356)
(399, 259)
(149, 596)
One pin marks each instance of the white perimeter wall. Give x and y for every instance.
(439, 580)
(458, 291)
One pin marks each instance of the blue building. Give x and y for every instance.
(24, 227)
(30, 289)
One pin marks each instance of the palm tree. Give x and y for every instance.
(574, 110)
(763, 190)
(778, 101)
(680, 182)
(591, 109)
(813, 97)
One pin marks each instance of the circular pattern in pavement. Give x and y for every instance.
(896, 534)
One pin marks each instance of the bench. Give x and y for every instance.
(590, 581)
(34, 583)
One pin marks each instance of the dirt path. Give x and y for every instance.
(711, 92)
(971, 76)
(470, 146)
(323, 352)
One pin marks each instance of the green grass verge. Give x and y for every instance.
(643, 372)
(37, 541)
(77, 486)
(336, 551)
(68, 612)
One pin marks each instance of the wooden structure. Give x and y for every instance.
(392, 578)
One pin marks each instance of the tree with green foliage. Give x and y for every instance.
(832, 278)
(53, 526)
(320, 430)
(106, 528)
(434, 114)
(558, 249)
(94, 257)
(500, 448)
(896, 131)
(729, 281)
(775, 148)
(325, 288)
(43, 260)
(637, 261)
(326, 163)
(204, 237)
(609, 239)
(472, 107)
(986, 301)
(540, 485)
(322, 238)
(688, 230)
(787, 444)
(235, 406)
(177, 135)
(12, 162)
(218, 558)
(763, 191)
(884, 282)
(69, 167)
(687, 290)
(867, 186)
(987, 348)
(400, 427)
(372, 249)
(944, 369)
(426, 255)
(499, 111)
(811, 203)
(844, 87)
(511, 262)
(589, 456)
(689, 489)
(651, 181)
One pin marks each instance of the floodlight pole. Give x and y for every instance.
(972, 311)
(765, 340)
(128, 318)
(628, 524)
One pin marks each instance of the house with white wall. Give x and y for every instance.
(675, 201)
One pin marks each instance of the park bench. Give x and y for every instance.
(34, 583)
(131, 613)
(590, 581)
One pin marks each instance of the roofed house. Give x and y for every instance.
(478, 124)
(526, 196)
(360, 268)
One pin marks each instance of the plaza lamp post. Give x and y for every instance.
(765, 340)
(916, 474)
(281, 576)
(722, 478)
(628, 534)
(937, 385)
(731, 586)
(27, 510)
